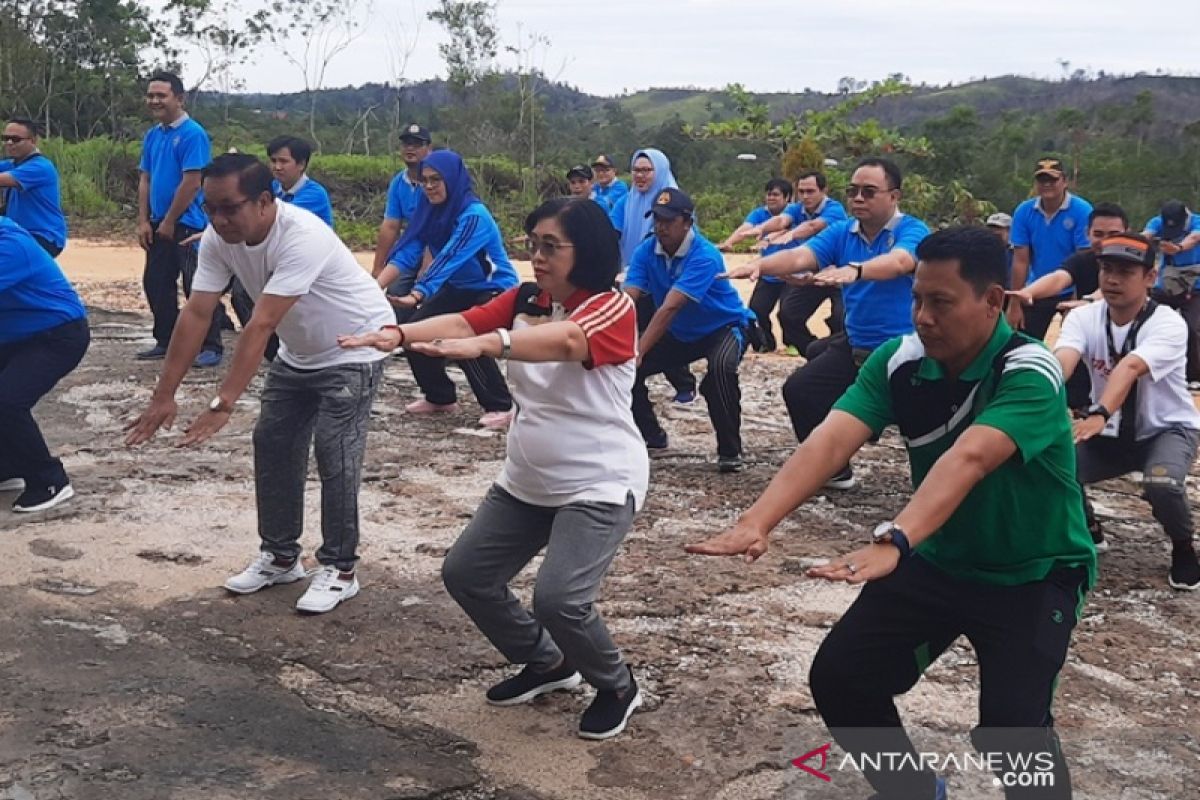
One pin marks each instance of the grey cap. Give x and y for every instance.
(999, 220)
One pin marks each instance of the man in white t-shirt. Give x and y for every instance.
(307, 288)
(1142, 416)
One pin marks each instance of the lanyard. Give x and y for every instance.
(1131, 340)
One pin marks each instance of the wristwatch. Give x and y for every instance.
(1098, 408)
(505, 342)
(219, 405)
(891, 533)
(857, 269)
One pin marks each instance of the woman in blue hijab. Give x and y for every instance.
(469, 268)
(651, 170)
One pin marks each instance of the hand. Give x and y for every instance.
(801, 279)
(779, 237)
(1022, 296)
(1086, 428)
(453, 349)
(1170, 248)
(166, 230)
(145, 234)
(837, 276)
(204, 427)
(195, 237)
(869, 563)
(407, 301)
(159, 414)
(743, 539)
(1016, 316)
(385, 340)
(760, 245)
(1067, 305)
(725, 246)
(749, 270)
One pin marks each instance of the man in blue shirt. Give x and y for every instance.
(29, 185)
(43, 336)
(698, 315)
(415, 145)
(871, 258)
(1046, 231)
(173, 153)
(1177, 231)
(813, 212)
(290, 158)
(607, 190)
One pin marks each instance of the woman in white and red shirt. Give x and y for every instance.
(576, 469)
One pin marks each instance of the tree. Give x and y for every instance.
(474, 39)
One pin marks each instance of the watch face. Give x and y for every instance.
(882, 531)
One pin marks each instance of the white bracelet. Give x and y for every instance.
(505, 342)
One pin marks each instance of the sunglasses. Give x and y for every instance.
(867, 192)
(547, 247)
(14, 139)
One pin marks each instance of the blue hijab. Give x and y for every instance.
(432, 225)
(636, 225)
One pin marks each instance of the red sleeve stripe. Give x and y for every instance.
(607, 314)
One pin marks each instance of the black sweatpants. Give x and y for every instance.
(902, 623)
(723, 348)
(166, 263)
(485, 377)
(810, 392)
(797, 307)
(680, 377)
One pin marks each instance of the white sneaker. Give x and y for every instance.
(264, 572)
(329, 587)
(12, 485)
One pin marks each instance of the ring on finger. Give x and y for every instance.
(853, 569)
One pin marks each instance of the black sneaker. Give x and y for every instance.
(658, 442)
(153, 354)
(43, 499)
(843, 480)
(730, 464)
(1185, 570)
(529, 683)
(1098, 539)
(608, 713)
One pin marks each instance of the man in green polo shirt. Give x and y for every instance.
(992, 545)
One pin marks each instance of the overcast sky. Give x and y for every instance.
(609, 46)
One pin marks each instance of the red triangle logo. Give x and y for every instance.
(823, 752)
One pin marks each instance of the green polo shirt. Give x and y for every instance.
(1025, 518)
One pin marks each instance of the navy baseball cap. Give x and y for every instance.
(671, 203)
(603, 161)
(415, 131)
(1174, 220)
(580, 171)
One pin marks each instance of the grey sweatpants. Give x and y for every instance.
(1164, 460)
(328, 408)
(581, 540)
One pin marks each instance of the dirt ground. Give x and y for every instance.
(126, 672)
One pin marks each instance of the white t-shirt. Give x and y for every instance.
(1163, 400)
(573, 437)
(302, 257)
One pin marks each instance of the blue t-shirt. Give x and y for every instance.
(167, 153)
(309, 195)
(693, 271)
(401, 197)
(1050, 241)
(830, 210)
(37, 205)
(35, 295)
(609, 196)
(757, 217)
(1187, 258)
(473, 258)
(875, 310)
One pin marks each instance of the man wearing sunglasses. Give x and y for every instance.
(871, 258)
(174, 151)
(1046, 231)
(29, 184)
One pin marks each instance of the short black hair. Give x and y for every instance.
(31, 126)
(890, 169)
(300, 149)
(783, 186)
(1108, 210)
(982, 258)
(822, 181)
(162, 76)
(254, 177)
(597, 253)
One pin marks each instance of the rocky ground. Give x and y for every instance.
(125, 672)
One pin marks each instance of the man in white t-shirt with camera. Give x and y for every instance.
(307, 288)
(1142, 416)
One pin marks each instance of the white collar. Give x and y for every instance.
(297, 186)
(184, 117)
(1066, 203)
(856, 226)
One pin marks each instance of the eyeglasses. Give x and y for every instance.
(432, 182)
(547, 247)
(867, 192)
(14, 139)
(1047, 178)
(643, 170)
(227, 210)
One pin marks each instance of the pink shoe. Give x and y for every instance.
(496, 419)
(423, 406)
